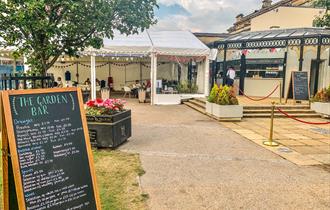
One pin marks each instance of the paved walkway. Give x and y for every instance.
(302, 144)
(193, 162)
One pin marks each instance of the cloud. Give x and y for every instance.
(202, 15)
(165, 11)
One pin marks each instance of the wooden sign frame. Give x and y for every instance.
(9, 142)
(291, 84)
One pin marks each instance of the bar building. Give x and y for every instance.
(264, 59)
(266, 46)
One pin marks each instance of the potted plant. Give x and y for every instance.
(109, 123)
(321, 102)
(211, 99)
(226, 104)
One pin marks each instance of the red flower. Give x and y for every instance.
(99, 102)
(91, 103)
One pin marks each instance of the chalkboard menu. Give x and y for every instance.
(299, 88)
(50, 150)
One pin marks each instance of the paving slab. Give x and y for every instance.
(194, 162)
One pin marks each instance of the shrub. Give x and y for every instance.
(214, 93)
(322, 96)
(226, 96)
(185, 87)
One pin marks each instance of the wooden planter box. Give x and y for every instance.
(227, 112)
(110, 131)
(322, 108)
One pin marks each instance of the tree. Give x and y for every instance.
(323, 21)
(43, 30)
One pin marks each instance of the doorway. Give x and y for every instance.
(315, 76)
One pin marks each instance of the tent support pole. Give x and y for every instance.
(153, 75)
(151, 79)
(207, 76)
(93, 78)
(109, 69)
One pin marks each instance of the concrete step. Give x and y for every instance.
(197, 103)
(201, 100)
(289, 111)
(279, 115)
(195, 107)
(284, 107)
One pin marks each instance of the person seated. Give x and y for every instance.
(87, 82)
(98, 83)
(136, 87)
(59, 82)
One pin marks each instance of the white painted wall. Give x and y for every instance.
(324, 76)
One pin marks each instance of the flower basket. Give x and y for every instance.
(109, 124)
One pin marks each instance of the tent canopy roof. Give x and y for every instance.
(179, 43)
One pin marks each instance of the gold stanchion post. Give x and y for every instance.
(280, 92)
(270, 142)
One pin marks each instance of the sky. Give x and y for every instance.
(202, 15)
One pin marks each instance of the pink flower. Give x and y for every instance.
(109, 104)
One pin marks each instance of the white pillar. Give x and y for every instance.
(153, 77)
(207, 76)
(93, 78)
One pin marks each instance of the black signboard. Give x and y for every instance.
(299, 88)
(50, 150)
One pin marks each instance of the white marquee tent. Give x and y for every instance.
(153, 44)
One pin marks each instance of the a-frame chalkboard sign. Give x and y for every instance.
(46, 152)
(298, 86)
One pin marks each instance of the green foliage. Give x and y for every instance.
(43, 30)
(226, 96)
(322, 96)
(185, 87)
(214, 93)
(323, 21)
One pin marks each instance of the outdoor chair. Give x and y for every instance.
(127, 91)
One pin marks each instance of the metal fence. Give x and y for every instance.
(23, 81)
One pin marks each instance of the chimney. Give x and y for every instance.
(266, 3)
(239, 17)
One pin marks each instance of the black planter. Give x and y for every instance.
(110, 131)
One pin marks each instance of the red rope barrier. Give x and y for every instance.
(260, 98)
(302, 121)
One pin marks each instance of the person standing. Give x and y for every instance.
(231, 73)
